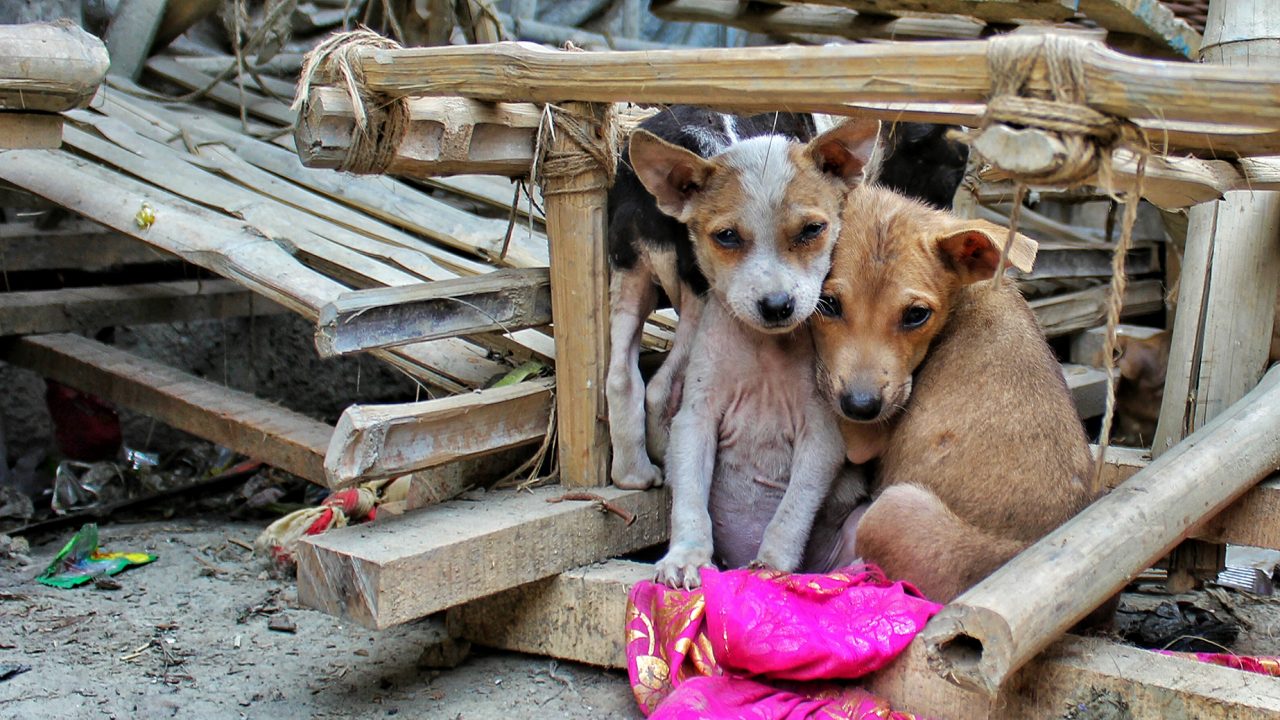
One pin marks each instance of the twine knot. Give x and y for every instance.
(559, 167)
(381, 121)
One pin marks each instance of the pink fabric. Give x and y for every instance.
(710, 651)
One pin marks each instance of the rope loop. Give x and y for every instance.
(593, 147)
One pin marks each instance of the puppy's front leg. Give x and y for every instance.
(816, 459)
(691, 459)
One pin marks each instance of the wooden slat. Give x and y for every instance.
(1146, 18)
(431, 559)
(504, 300)
(265, 431)
(376, 441)
(73, 244)
(813, 79)
(1000, 11)
(30, 130)
(50, 311)
(1088, 388)
(1069, 312)
(769, 18)
(49, 67)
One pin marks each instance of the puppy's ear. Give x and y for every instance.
(973, 249)
(670, 173)
(846, 149)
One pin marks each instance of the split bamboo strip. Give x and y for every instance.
(989, 632)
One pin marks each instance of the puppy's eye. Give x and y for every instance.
(915, 316)
(829, 306)
(728, 238)
(811, 232)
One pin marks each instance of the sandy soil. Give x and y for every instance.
(188, 637)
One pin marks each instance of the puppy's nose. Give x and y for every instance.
(860, 405)
(777, 307)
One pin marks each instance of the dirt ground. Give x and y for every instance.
(187, 637)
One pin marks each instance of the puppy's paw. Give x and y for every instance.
(767, 559)
(640, 476)
(679, 569)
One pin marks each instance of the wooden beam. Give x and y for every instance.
(377, 441)
(771, 19)
(986, 634)
(503, 300)
(30, 130)
(1069, 312)
(575, 209)
(577, 615)
(85, 309)
(49, 67)
(73, 244)
(813, 78)
(260, 429)
(435, 558)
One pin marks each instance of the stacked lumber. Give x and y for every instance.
(45, 68)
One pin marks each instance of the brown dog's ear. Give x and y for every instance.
(844, 150)
(669, 172)
(974, 250)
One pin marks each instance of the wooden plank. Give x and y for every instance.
(1000, 11)
(1088, 388)
(49, 67)
(377, 441)
(577, 615)
(130, 35)
(504, 300)
(1069, 312)
(435, 558)
(576, 220)
(262, 430)
(1147, 18)
(85, 309)
(994, 628)
(1060, 261)
(771, 19)
(1087, 347)
(30, 130)
(73, 244)
(813, 79)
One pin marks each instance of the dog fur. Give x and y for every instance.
(981, 452)
(751, 433)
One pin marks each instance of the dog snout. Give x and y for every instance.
(777, 307)
(859, 405)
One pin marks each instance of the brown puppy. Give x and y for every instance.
(982, 451)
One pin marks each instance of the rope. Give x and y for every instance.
(593, 146)
(380, 121)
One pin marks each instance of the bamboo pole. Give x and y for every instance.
(989, 632)
(49, 67)
(1231, 267)
(812, 78)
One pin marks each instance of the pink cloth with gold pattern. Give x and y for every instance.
(740, 645)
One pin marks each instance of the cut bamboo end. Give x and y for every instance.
(963, 645)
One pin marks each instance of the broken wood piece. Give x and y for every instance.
(49, 67)
(445, 136)
(577, 615)
(262, 430)
(503, 300)
(438, 557)
(30, 130)
(604, 505)
(379, 441)
(989, 632)
(91, 308)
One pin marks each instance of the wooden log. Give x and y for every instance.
(812, 79)
(1069, 312)
(575, 209)
(85, 309)
(446, 136)
(131, 33)
(73, 244)
(49, 67)
(275, 435)
(438, 557)
(771, 19)
(577, 615)
(989, 632)
(1230, 275)
(30, 130)
(503, 300)
(378, 441)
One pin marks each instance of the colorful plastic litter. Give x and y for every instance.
(80, 561)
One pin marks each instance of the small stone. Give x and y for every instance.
(282, 623)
